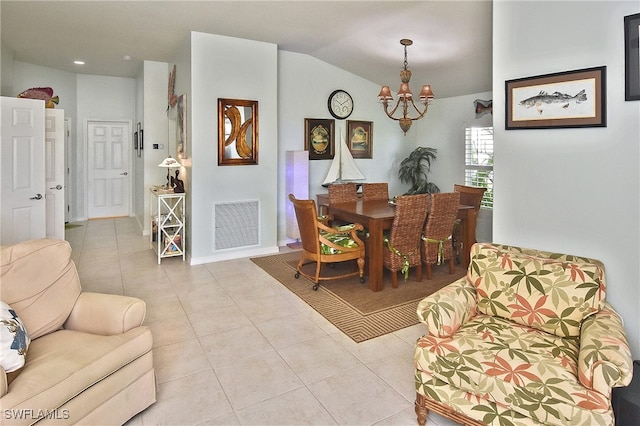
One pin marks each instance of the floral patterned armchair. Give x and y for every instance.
(525, 339)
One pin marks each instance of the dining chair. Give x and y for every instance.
(375, 191)
(402, 244)
(342, 193)
(469, 196)
(324, 244)
(438, 230)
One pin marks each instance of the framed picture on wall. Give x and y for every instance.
(319, 138)
(632, 57)
(237, 132)
(360, 138)
(565, 99)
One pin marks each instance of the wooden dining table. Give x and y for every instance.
(376, 217)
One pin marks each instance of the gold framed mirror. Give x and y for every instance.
(237, 132)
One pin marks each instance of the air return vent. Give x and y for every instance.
(236, 224)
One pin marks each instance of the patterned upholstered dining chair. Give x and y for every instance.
(402, 245)
(438, 229)
(324, 244)
(375, 191)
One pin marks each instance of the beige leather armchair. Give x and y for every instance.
(89, 360)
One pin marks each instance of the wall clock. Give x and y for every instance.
(340, 104)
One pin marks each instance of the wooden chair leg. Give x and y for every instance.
(421, 410)
(360, 263)
(419, 272)
(394, 279)
(429, 274)
(451, 265)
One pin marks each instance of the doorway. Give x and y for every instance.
(108, 168)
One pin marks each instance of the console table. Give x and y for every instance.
(167, 237)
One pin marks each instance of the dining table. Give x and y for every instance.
(377, 216)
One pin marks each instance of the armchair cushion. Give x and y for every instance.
(552, 293)
(49, 283)
(14, 339)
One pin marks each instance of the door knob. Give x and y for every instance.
(37, 197)
(124, 174)
(58, 187)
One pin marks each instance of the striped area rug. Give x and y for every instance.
(349, 305)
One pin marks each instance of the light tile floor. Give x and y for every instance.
(232, 346)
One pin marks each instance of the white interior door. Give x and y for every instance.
(22, 189)
(54, 172)
(108, 168)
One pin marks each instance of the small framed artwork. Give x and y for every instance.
(140, 139)
(319, 138)
(565, 99)
(360, 138)
(631, 57)
(237, 132)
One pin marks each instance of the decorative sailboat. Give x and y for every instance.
(343, 167)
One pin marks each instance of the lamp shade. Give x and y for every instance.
(426, 92)
(385, 94)
(169, 163)
(404, 91)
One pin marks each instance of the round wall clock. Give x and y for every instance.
(340, 104)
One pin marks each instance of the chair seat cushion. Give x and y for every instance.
(343, 240)
(63, 364)
(515, 366)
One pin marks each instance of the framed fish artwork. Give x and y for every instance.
(632, 57)
(565, 99)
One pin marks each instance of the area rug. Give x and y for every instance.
(349, 305)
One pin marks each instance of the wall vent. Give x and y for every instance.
(236, 224)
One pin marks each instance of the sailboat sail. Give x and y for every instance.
(343, 167)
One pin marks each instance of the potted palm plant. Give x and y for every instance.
(414, 170)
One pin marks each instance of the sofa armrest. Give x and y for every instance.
(444, 311)
(604, 360)
(106, 314)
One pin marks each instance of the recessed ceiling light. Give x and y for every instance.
(126, 58)
(78, 62)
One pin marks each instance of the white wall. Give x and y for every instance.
(226, 67)
(6, 71)
(155, 129)
(99, 98)
(571, 190)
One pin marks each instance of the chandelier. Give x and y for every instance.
(405, 97)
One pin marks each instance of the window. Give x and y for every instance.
(478, 160)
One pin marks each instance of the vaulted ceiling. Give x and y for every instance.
(451, 50)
